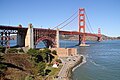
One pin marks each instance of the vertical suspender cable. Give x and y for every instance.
(89, 22)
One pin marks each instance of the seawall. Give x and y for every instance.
(69, 65)
(72, 68)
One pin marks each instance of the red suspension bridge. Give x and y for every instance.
(30, 37)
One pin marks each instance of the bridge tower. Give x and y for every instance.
(81, 24)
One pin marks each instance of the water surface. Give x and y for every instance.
(103, 61)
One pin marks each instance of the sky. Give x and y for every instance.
(104, 14)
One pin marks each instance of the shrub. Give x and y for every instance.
(1, 58)
(38, 58)
(20, 50)
(46, 50)
(12, 50)
(32, 52)
(47, 71)
(29, 77)
(2, 67)
(2, 49)
(58, 60)
(50, 64)
(41, 68)
(54, 52)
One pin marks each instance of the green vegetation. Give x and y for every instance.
(58, 60)
(29, 78)
(12, 50)
(32, 52)
(41, 68)
(3, 68)
(42, 60)
(21, 50)
(54, 52)
(2, 49)
(36, 63)
(54, 72)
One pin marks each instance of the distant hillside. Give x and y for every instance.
(75, 37)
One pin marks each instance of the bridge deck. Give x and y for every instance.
(50, 30)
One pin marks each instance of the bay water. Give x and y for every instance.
(102, 61)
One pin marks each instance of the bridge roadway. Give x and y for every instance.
(30, 37)
(41, 29)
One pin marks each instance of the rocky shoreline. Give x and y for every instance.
(68, 67)
(74, 67)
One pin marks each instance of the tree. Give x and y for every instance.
(36, 55)
(38, 58)
(48, 55)
(32, 52)
(46, 50)
(12, 50)
(47, 71)
(1, 58)
(43, 54)
(41, 68)
(21, 50)
(58, 60)
(2, 49)
(54, 52)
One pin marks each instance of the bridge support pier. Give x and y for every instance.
(29, 39)
(99, 34)
(82, 40)
(99, 39)
(20, 39)
(57, 38)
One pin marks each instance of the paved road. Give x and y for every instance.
(67, 63)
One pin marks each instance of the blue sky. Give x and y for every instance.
(49, 13)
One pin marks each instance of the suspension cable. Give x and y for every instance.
(69, 22)
(88, 28)
(89, 22)
(65, 20)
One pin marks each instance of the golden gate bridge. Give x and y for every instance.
(30, 37)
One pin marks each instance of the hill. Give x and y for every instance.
(76, 37)
(33, 65)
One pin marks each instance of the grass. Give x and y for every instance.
(54, 72)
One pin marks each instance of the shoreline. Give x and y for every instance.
(69, 65)
(78, 64)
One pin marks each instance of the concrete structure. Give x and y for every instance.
(29, 39)
(65, 52)
(57, 38)
(20, 37)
